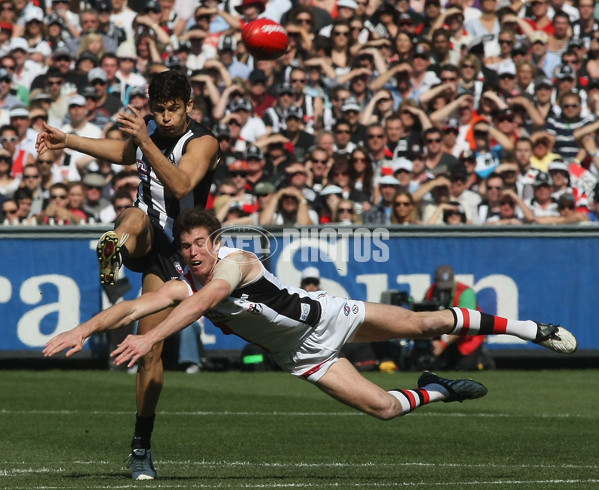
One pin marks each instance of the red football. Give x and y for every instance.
(265, 39)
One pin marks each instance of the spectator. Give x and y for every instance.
(7, 99)
(254, 158)
(560, 177)
(288, 206)
(568, 214)
(31, 181)
(57, 210)
(94, 202)
(19, 119)
(543, 204)
(361, 172)
(343, 134)
(317, 165)
(274, 117)
(380, 212)
(77, 119)
(302, 141)
(98, 79)
(437, 161)
(490, 207)
(340, 176)
(562, 128)
(8, 184)
(310, 279)
(24, 199)
(76, 201)
(405, 211)
(9, 211)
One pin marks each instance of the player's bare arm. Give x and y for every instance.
(118, 315)
(199, 158)
(121, 152)
(193, 307)
(234, 271)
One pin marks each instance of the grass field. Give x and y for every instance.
(71, 429)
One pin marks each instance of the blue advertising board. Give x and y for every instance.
(49, 281)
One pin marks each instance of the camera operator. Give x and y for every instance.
(462, 353)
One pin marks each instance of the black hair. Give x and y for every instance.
(195, 218)
(170, 85)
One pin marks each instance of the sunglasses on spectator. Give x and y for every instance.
(29, 177)
(49, 162)
(316, 160)
(238, 174)
(372, 136)
(449, 79)
(341, 33)
(507, 203)
(5, 159)
(120, 208)
(496, 187)
(346, 210)
(433, 140)
(570, 106)
(358, 159)
(342, 131)
(402, 204)
(58, 196)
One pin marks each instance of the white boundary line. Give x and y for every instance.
(228, 413)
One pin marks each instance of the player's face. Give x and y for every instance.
(199, 252)
(171, 116)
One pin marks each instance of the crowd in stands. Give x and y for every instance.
(381, 112)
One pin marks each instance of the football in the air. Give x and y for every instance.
(265, 39)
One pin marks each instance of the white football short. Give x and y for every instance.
(338, 325)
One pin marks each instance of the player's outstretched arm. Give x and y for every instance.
(121, 152)
(188, 311)
(117, 316)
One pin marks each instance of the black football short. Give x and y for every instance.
(164, 260)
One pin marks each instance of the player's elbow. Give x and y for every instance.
(181, 191)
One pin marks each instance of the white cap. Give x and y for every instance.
(331, 189)
(77, 100)
(389, 180)
(310, 273)
(19, 43)
(402, 164)
(33, 13)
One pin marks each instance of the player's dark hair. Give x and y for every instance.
(169, 85)
(195, 218)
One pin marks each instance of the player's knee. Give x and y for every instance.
(385, 409)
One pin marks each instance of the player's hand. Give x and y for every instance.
(50, 138)
(132, 123)
(130, 350)
(71, 340)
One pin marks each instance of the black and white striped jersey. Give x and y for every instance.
(265, 311)
(152, 198)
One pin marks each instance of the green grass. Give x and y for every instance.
(71, 429)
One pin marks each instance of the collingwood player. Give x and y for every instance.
(304, 331)
(176, 158)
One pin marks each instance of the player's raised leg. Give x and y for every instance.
(132, 237)
(384, 322)
(344, 383)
